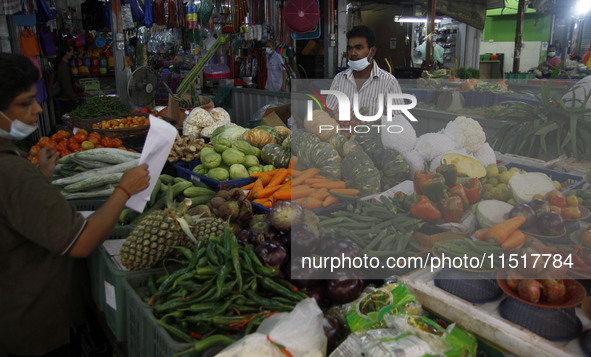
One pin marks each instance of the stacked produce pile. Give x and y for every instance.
(187, 148)
(99, 106)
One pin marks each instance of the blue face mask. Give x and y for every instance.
(551, 54)
(18, 129)
(268, 50)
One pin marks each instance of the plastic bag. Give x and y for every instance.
(258, 115)
(298, 333)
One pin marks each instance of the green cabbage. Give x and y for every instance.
(238, 171)
(218, 174)
(233, 133)
(232, 156)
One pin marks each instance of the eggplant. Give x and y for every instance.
(345, 288)
(302, 277)
(318, 294)
(245, 237)
(272, 254)
(303, 242)
(286, 214)
(263, 231)
(344, 246)
(335, 333)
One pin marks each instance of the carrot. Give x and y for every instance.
(293, 162)
(501, 231)
(321, 194)
(311, 172)
(515, 239)
(267, 178)
(301, 192)
(259, 174)
(311, 203)
(317, 179)
(295, 173)
(278, 178)
(345, 191)
(480, 234)
(265, 192)
(248, 187)
(282, 194)
(330, 200)
(258, 185)
(264, 202)
(330, 185)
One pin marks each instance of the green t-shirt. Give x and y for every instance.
(41, 287)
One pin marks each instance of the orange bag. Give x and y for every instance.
(29, 44)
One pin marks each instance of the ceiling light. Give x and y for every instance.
(412, 19)
(582, 7)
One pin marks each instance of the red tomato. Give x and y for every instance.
(94, 139)
(116, 142)
(35, 150)
(43, 141)
(106, 142)
(74, 145)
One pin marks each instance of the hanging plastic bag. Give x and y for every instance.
(29, 44)
(148, 21)
(297, 333)
(44, 13)
(47, 43)
(107, 15)
(136, 11)
(126, 16)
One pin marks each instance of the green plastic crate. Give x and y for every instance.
(145, 338)
(519, 78)
(107, 285)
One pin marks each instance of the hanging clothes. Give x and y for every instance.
(11, 7)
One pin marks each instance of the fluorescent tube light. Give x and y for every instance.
(412, 19)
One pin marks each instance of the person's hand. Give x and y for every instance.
(47, 161)
(135, 180)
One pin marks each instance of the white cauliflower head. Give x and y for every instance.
(401, 142)
(466, 133)
(414, 160)
(485, 155)
(200, 117)
(431, 145)
(219, 114)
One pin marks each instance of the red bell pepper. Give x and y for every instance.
(419, 177)
(452, 209)
(425, 210)
(473, 190)
(450, 172)
(458, 190)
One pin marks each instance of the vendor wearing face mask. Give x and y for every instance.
(42, 295)
(363, 75)
(552, 61)
(276, 73)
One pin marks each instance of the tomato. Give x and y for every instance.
(87, 145)
(94, 139)
(64, 153)
(95, 126)
(34, 151)
(80, 137)
(65, 134)
(94, 134)
(116, 142)
(83, 131)
(74, 145)
(43, 141)
(106, 142)
(33, 159)
(98, 146)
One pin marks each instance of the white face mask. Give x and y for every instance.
(18, 129)
(268, 50)
(551, 54)
(358, 65)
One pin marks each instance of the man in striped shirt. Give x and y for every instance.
(363, 75)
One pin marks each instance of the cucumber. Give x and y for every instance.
(92, 173)
(91, 194)
(127, 215)
(109, 155)
(200, 200)
(198, 183)
(197, 191)
(179, 179)
(166, 179)
(178, 188)
(96, 181)
(89, 164)
(155, 191)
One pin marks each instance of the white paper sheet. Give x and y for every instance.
(158, 144)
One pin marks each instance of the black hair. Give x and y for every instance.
(61, 52)
(363, 31)
(18, 74)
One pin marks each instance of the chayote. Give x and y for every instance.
(222, 145)
(238, 171)
(268, 168)
(207, 150)
(218, 174)
(200, 169)
(255, 169)
(211, 160)
(232, 156)
(244, 147)
(250, 161)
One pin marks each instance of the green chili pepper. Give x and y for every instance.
(279, 289)
(176, 332)
(236, 262)
(221, 279)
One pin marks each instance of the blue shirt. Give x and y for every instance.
(274, 72)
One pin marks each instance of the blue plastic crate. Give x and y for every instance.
(258, 208)
(185, 170)
(574, 181)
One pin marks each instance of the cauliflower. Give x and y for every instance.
(466, 133)
(431, 145)
(437, 160)
(219, 114)
(414, 160)
(485, 155)
(208, 130)
(200, 117)
(401, 142)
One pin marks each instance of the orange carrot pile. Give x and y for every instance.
(306, 187)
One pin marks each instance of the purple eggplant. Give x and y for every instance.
(303, 242)
(272, 253)
(286, 214)
(302, 277)
(345, 288)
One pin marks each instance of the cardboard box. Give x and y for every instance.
(277, 116)
(178, 114)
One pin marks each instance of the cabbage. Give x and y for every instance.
(490, 212)
(233, 133)
(525, 186)
(238, 171)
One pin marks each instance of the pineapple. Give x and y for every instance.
(208, 227)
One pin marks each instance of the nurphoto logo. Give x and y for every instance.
(344, 109)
